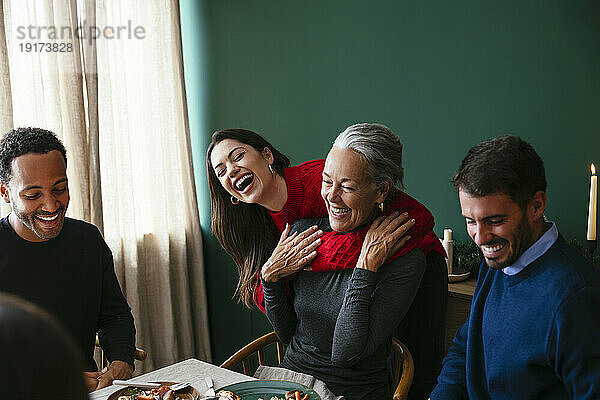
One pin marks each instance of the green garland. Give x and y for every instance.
(467, 257)
(579, 246)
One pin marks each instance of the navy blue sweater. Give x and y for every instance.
(533, 335)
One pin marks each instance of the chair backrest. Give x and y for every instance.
(242, 356)
(404, 370)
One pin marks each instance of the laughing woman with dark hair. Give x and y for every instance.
(244, 228)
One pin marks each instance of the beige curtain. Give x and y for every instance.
(43, 88)
(150, 213)
(119, 105)
(6, 119)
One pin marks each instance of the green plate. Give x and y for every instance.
(264, 389)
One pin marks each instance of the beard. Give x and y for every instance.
(522, 239)
(32, 223)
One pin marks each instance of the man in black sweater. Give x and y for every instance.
(59, 263)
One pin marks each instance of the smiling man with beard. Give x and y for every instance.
(533, 328)
(59, 263)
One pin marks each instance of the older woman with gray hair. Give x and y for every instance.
(339, 323)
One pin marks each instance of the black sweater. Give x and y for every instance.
(72, 277)
(339, 323)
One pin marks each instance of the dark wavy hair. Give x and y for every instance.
(506, 164)
(246, 231)
(39, 358)
(22, 141)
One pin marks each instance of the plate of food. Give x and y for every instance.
(161, 393)
(267, 390)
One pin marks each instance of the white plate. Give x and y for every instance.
(458, 277)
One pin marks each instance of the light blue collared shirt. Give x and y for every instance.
(534, 252)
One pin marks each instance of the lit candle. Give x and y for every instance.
(591, 227)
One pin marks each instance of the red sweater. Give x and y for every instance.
(341, 250)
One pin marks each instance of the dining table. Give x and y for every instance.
(191, 370)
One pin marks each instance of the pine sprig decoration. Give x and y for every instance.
(467, 256)
(579, 246)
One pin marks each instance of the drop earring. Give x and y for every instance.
(381, 207)
(271, 169)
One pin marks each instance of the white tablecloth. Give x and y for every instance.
(191, 370)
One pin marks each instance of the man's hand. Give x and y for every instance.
(91, 379)
(116, 370)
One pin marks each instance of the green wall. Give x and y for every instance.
(443, 75)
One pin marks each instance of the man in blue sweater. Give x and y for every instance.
(534, 327)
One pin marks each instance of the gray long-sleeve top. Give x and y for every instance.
(339, 323)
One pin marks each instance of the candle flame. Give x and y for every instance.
(593, 168)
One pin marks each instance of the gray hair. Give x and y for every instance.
(380, 147)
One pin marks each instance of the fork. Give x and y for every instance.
(175, 387)
(179, 386)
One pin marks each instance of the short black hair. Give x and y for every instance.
(22, 141)
(506, 164)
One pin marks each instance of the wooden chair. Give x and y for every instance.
(257, 346)
(403, 373)
(139, 354)
(404, 370)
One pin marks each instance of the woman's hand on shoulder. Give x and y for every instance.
(385, 236)
(292, 253)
